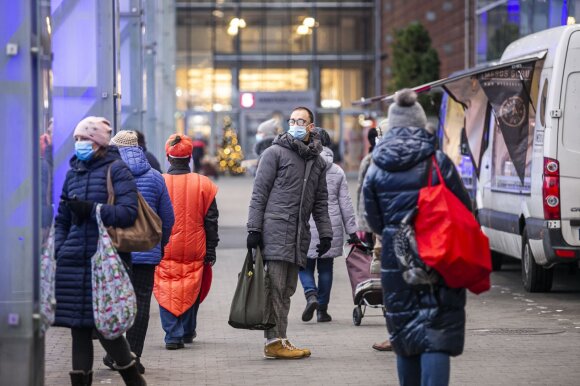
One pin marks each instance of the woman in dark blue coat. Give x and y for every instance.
(76, 238)
(426, 327)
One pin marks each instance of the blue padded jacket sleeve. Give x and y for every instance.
(124, 212)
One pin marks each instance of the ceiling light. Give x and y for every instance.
(241, 23)
(309, 22)
(571, 20)
(302, 30)
(232, 30)
(330, 103)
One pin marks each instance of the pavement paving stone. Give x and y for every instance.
(509, 353)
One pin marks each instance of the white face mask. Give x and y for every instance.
(259, 137)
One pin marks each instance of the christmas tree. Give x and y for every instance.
(230, 153)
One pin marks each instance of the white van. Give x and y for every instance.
(519, 118)
(539, 220)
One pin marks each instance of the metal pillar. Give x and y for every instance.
(85, 69)
(24, 112)
(131, 64)
(164, 78)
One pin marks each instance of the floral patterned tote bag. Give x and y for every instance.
(114, 301)
(47, 277)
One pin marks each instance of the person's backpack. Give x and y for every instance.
(415, 271)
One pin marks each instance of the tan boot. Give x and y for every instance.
(281, 350)
(383, 346)
(306, 351)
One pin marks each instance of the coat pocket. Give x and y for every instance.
(276, 227)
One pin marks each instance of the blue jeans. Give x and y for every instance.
(427, 369)
(325, 270)
(178, 327)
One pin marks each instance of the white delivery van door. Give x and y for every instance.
(569, 143)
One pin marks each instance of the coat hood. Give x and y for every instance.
(402, 148)
(307, 151)
(135, 158)
(328, 157)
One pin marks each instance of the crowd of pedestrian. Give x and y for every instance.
(299, 211)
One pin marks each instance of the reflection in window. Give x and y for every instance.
(204, 89)
(273, 79)
(339, 87)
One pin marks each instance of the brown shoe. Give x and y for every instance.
(306, 351)
(280, 349)
(383, 346)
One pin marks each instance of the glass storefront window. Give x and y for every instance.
(344, 31)
(275, 31)
(204, 89)
(339, 87)
(500, 23)
(273, 79)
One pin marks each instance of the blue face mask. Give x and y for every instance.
(259, 137)
(298, 132)
(84, 150)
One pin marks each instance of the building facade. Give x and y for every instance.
(254, 60)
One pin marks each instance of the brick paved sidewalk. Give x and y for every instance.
(513, 338)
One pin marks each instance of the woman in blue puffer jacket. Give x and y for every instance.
(151, 185)
(425, 327)
(76, 238)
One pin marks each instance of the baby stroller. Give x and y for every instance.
(366, 287)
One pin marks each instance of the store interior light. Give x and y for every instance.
(571, 20)
(302, 30)
(235, 25)
(310, 22)
(232, 30)
(330, 103)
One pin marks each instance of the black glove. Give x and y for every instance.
(353, 239)
(80, 210)
(210, 256)
(254, 240)
(324, 246)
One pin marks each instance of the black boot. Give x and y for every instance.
(80, 378)
(311, 306)
(131, 375)
(321, 315)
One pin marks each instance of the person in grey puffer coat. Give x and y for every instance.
(151, 185)
(426, 326)
(342, 216)
(290, 186)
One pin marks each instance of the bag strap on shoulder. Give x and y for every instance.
(430, 180)
(110, 189)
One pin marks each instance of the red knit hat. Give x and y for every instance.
(179, 146)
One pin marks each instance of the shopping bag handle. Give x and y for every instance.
(434, 162)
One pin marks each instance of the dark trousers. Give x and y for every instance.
(179, 327)
(325, 272)
(82, 349)
(427, 369)
(142, 278)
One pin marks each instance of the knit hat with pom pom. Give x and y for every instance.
(406, 112)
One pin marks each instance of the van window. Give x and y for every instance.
(543, 103)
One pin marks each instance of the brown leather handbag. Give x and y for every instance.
(142, 236)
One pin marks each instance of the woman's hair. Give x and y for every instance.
(100, 152)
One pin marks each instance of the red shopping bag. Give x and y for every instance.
(449, 238)
(206, 279)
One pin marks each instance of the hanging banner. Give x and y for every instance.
(508, 92)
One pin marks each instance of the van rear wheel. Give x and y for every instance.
(535, 278)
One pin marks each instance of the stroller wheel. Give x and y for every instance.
(357, 316)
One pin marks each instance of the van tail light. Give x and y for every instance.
(551, 189)
(565, 253)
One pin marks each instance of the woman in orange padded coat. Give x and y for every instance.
(193, 242)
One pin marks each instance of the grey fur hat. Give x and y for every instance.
(406, 112)
(268, 128)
